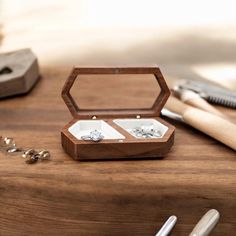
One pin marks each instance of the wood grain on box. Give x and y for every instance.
(129, 147)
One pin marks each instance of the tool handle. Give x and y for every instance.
(206, 223)
(210, 124)
(167, 227)
(191, 98)
(215, 126)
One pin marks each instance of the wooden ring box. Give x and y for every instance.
(118, 142)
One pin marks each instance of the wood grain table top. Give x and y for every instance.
(135, 197)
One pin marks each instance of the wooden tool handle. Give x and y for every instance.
(215, 126)
(193, 99)
(206, 224)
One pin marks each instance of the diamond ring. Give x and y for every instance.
(94, 136)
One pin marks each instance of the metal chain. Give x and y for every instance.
(9, 145)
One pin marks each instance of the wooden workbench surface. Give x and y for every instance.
(65, 197)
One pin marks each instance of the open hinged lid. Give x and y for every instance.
(120, 85)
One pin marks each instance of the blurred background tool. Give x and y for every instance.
(212, 93)
(19, 72)
(167, 227)
(206, 224)
(194, 99)
(210, 124)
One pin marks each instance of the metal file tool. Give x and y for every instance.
(212, 93)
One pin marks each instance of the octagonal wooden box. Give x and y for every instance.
(116, 124)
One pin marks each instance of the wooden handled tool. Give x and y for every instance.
(167, 227)
(212, 125)
(191, 98)
(206, 224)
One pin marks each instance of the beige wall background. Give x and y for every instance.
(188, 39)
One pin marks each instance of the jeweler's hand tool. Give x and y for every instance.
(212, 93)
(206, 224)
(19, 72)
(210, 124)
(167, 227)
(194, 99)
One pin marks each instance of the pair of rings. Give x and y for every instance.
(94, 136)
(146, 132)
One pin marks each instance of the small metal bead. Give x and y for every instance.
(7, 142)
(29, 153)
(14, 149)
(44, 155)
(32, 159)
